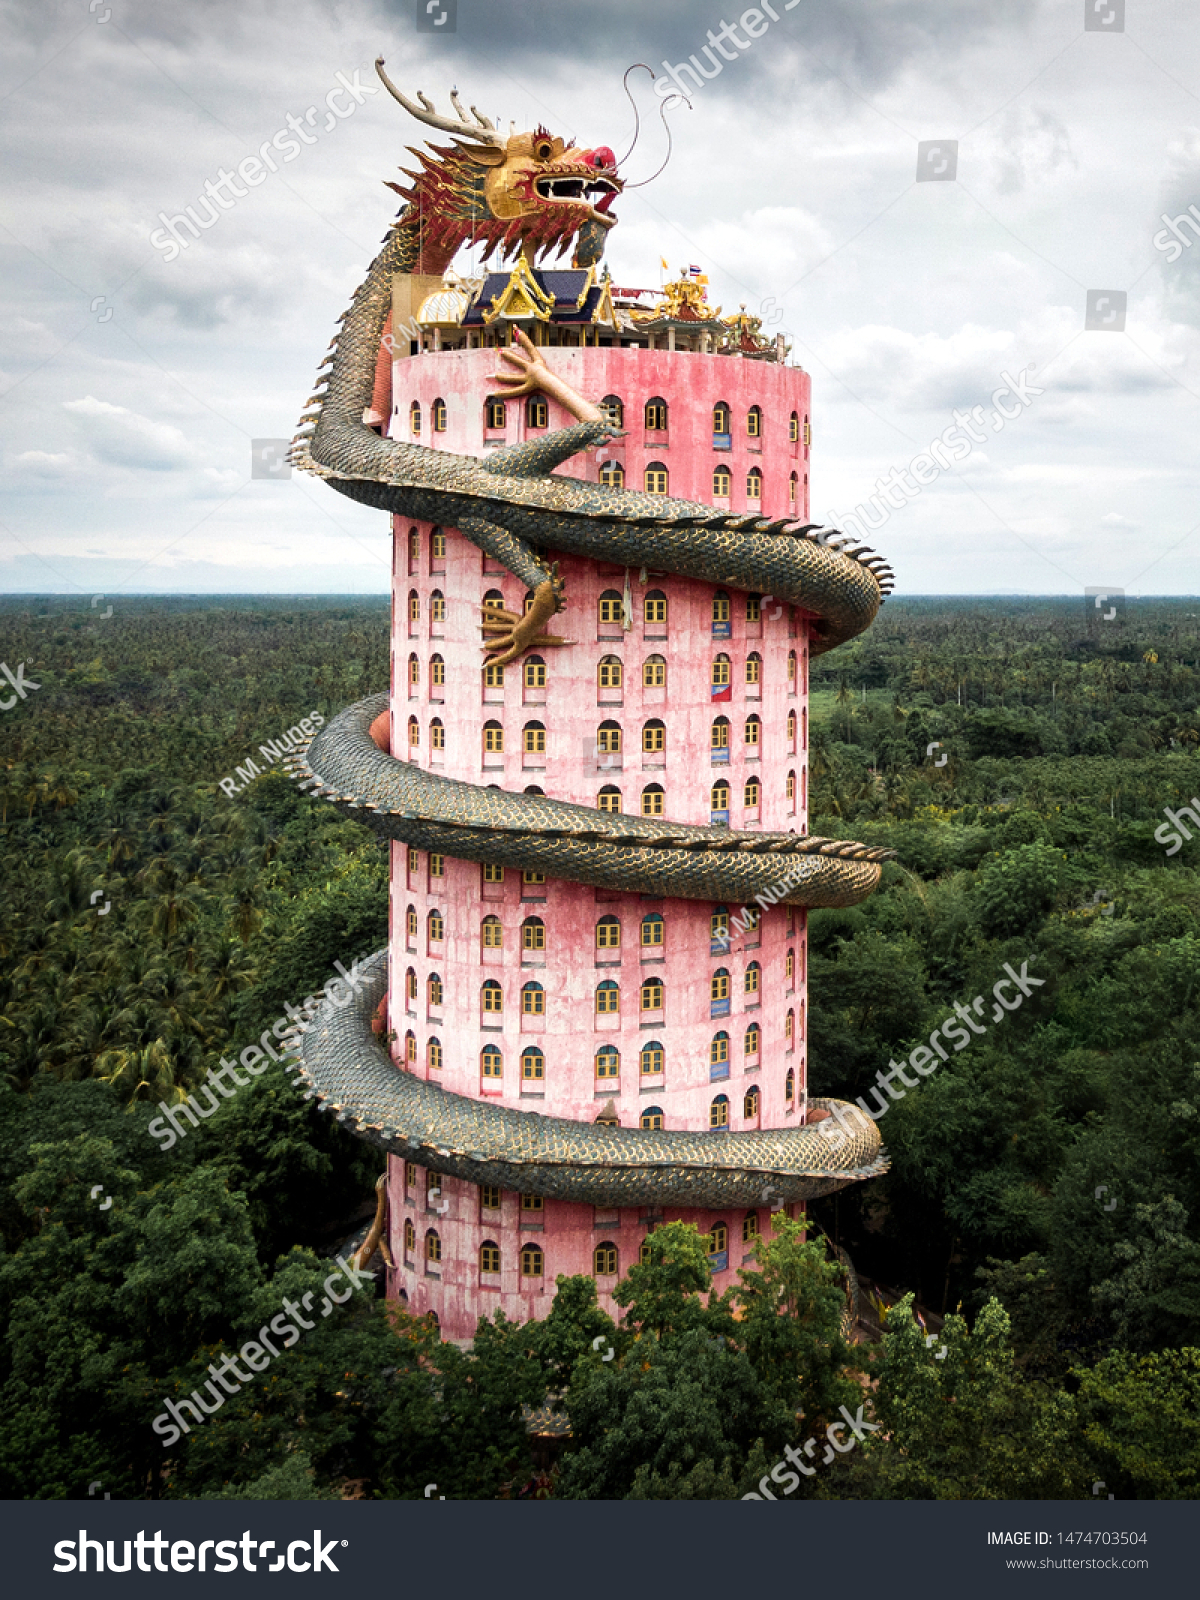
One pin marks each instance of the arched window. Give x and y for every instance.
(533, 934)
(608, 673)
(435, 927)
(722, 482)
(789, 1026)
(720, 417)
(609, 798)
(789, 1087)
(414, 417)
(433, 1246)
(720, 674)
(719, 738)
(437, 613)
(718, 1050)
(791, 667)
(604, 1260)
(806, 435)
(433, 1055)
(652, 1059)
(608, 933)
(790, 788)
(654, 607)
(534, 672)
(751, 793)
(493, 997)
(533, 1000)
(752, 733)
(532, 1261)
(414, 671)
(719, 797)
(791, 728)
(651, 1117)
(414, 545)
(493, 600)
(750, 1220)
(753, 1040)
(433, 988)
(614, 410)
(793, 428)
(654, 672)
(655, 480)
(754, 486)
(754, 608)
(410, 1047)
(653, 800)
(410, 984)
(718, 929)
(489, 1196)
(533, 1065)
(410, 922)
(612, 606)
(789, 965)
(652, 994)
(720, 614)
(754, 667)
(492, 933)
(654, 736)
(491, 1062)
(612, 474)
(754, 422)
(718, 1112)
(493, 738)
(718, 987)
(437, 734)
(495, 415)
(414, 731)
(792, 486)
(533, 738)
(608, 738)
(751, 979)
(652, 930)
(438, 412)
(656, 414)
(608, 998)
(489, 1256)
(414, 606)
(410, 1237)
(608, 1062)
(437, 539)
(537, 412)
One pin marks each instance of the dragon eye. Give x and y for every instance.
(543, 150)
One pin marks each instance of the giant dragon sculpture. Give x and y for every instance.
(531, 192)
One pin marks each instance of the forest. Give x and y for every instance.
(1020, 756)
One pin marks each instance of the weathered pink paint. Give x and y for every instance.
(559, 943)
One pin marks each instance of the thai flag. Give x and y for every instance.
(693, 272)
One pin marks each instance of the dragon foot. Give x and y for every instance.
(513, 634)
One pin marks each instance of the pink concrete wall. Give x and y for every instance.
(766, 988)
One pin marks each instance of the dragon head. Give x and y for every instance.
(528, 192)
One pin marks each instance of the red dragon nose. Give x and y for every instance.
(600, 157)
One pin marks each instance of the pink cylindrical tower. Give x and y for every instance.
(673, 698)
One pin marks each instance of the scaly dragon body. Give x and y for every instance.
(515, 508)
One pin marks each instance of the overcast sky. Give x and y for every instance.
(132, 384)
